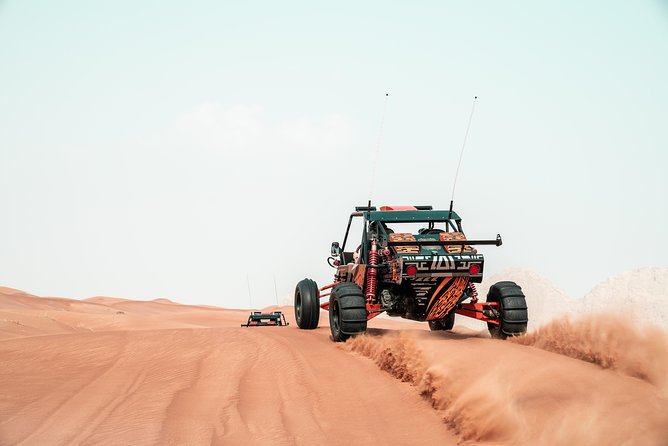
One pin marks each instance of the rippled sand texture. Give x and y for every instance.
(113, 371)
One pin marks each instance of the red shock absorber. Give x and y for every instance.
(371, 274)
(474, 293)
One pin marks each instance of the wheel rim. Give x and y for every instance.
(335, 316)
(298, 306)
(495, 330)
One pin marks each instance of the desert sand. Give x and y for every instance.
(114, 371)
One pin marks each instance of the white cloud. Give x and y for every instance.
(213, 126)
(244, 131)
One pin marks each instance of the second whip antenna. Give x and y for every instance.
(375, 157)
(461, 154)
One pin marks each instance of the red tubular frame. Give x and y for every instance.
(473, 310)
(325, 305)
(372, 310)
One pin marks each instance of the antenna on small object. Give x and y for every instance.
(275, 290)
(375, 158)
(250, 299)
(461, 155)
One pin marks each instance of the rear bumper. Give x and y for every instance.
(451, 265)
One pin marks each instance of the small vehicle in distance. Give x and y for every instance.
(259, 319)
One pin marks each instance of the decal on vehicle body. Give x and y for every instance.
(445, 297)
(443, 263)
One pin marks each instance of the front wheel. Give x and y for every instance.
(307, 304)
(347, 311)
(513, 313)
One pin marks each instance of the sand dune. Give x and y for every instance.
(115, 371)
(149, 381)
(496, 392)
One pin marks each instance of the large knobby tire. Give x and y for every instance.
(307, 304)
(347, 311)
(443, 324)
(513, 313)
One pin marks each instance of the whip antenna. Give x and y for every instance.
(375, 158)
(250, 298)
(276, 290)
(461, 154)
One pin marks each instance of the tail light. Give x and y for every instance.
(474, 269)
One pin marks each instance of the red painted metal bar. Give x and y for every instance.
(475, 311)
(331, 285)
(325, 305)
(373, 310)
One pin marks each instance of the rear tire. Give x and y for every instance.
(513, 313)
(347, 311)
(307, 304)
(443, 324)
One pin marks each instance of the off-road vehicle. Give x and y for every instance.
(259, 319)
(413, 262)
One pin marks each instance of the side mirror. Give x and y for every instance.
(336, 249)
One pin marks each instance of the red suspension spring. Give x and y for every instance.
(372, 273)
(474, 293)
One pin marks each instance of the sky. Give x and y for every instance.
(210, 151)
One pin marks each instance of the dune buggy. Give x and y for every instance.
(412, 262)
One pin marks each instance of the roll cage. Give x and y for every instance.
(413, 214)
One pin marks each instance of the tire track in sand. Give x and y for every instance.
(205, 411)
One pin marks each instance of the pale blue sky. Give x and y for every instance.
(152, 149)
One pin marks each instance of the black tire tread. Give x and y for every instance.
(514, 312)
(310, 304)
(352, 311)
(447, 323)
(514, 303)
(514, 316)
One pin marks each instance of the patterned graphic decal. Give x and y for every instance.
(446, 296)
(444, 266)
(404, 237)
(455, 249)
(423, 286)
(358, 275)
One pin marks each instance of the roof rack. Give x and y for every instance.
(406, 208)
